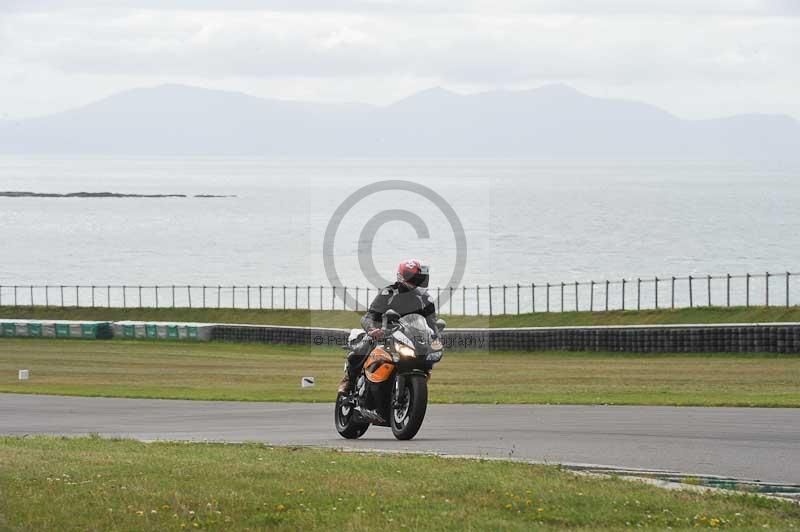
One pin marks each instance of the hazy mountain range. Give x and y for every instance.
(553, 121)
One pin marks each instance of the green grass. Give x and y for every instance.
(96, 484)
(347, 319)
(254, 372)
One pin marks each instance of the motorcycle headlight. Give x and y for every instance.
(404, 351)
(435, 356)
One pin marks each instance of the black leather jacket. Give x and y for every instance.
(402, 300)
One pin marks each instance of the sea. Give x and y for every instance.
(350, 222)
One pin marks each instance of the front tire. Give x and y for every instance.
(344, 419)
(409, 407)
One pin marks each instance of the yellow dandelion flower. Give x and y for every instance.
(280, 508)
(540, 510)
(508, 506)
(165, 507)
(139, 512)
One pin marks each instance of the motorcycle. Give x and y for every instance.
(391, 389)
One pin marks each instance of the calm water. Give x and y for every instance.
(524, 221)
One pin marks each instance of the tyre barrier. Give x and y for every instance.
(86, 330)
(690, 338)
(162, 330)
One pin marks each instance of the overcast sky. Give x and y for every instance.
(695, 58)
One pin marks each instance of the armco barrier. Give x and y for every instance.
(87, 330)
(762, 337)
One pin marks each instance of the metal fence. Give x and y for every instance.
(765, 289)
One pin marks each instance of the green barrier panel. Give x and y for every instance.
(129, 331)
(191, 332)
(172, 332)
(151, 331)
(88, 330)
(34, 329)
(9, 329)
(62, 330)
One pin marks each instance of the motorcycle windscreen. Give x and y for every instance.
(416, 328)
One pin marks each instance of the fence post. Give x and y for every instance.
(562, 296)
(478, 298)
(233, 296)
(608, 283)
(451, 300)
(464, 300)
(638, 293)
(124, 298)
(296, 290)
(219, 295)
(766, 288)
(437, 306)
(62, 296)
(490, 300)
(333, 297)
(623, 293)
(140, 296)
(656, 281)
(533, 298)
(15, 295)
(77, 296)
(320, 297)
(272, 297)
(672, 293)
(204, 296)
(173, 296)
(260, 297)
(308, 296)
(727, 290)
(189, 294)
(108, 296)
(47, 294)
(367, 302)
(691, 298)
(576, 296)
(591, 296)
(31, 296)
(787, 288)
(747, 290)
(284, 297)
(709, 290)
(248, 297)
(1, 295)
(518, 299)
(92, 292)
(548, 297)
(504, 300)
(156, 296)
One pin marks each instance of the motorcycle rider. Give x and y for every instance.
(407, 296)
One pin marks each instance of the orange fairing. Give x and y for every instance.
(378, 366)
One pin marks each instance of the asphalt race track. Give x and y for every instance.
(746, 443)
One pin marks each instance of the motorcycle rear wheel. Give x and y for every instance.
(344, 419)
(411, 404)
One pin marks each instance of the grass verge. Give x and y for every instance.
(347, 319)
(97, 484)
(253, 372)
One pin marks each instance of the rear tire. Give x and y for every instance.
(412, 403)
(344, 421)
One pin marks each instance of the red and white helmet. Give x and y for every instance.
(413, 273)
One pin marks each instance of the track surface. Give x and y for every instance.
(747, 443)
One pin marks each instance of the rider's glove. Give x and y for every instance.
(376, 334)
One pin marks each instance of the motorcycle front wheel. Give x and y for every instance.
(344, 418)
(409, 406)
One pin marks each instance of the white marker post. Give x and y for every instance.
(307, 382)
(23, 374)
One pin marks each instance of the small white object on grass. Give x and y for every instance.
(307, 382)
(23, 374)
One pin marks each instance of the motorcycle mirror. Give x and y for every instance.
(440, 325)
